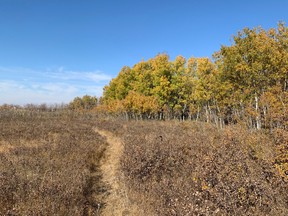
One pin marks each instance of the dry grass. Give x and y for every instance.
(118, 202)
(49, 164)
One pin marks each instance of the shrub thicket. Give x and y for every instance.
(195, 169)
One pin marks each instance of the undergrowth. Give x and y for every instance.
(189, 168)
(49, 164)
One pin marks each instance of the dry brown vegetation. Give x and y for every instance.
(175, 168)
(53, 163)
(189, 168)
(49, 164)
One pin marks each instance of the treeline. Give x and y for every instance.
(34, 107)
(247, 82)
(84, 103)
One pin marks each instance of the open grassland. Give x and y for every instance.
(59, 163)
(49, 164)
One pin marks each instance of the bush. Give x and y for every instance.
(195, 169)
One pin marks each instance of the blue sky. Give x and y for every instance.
(54, 50)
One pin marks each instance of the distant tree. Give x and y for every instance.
(85, 103)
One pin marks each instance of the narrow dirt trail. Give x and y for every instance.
(117, 202)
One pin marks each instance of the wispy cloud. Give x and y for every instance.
(96, 76)
(24, 85)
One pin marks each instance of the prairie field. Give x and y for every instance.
(68, 163)
(49, 164)
(143, 108)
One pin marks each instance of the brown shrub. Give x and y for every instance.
(195, 169)
(280, 138)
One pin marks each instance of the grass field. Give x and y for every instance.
(49, 165)
(57, 163)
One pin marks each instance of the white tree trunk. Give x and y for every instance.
(258, 120)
